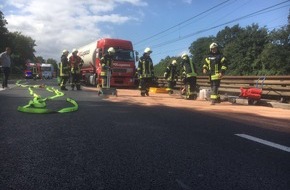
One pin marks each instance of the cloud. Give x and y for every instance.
(65, 24)
(133, 2)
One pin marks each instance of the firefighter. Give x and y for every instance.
(5, 62)
(188, 75)
(106, 62)
(64, 68)
(76, 63)
(215, 65)
(145, 72)
(34, 72)
(171, 75)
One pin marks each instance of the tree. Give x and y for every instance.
(3, 33)
(39, 59)
(160, 68)
(52, 62)
(22, 47)
(275, 57)
(244, 49)
(228, 35)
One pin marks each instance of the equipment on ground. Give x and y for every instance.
(106, 85)
(158, 90)
(38, 104)
(252, 94)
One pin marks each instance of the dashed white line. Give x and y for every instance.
(268, 143)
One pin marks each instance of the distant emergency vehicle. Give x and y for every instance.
(32, 70)
(47, 71)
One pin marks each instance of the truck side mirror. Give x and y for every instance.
(137, 55)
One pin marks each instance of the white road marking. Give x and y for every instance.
(268, 143)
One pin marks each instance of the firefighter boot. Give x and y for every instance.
(143, 92)
(147, 92)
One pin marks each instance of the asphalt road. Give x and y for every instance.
(120, 145)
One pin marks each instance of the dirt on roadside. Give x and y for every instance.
(261, 116)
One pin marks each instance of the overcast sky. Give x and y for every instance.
(167, 26)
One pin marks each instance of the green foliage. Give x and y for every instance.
(251, 50)
(53, 62)
(38, 59)
(3, 33)
(160, 68)
(22, 48)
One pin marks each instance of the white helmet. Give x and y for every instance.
(147, 50)
(184, 56)
(111, 50)
(213, 45)
(75, 51)
(174, 62)
(65, 51)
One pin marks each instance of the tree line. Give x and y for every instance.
(250, 50)
(22, 47)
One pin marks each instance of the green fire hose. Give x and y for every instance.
(38, 104)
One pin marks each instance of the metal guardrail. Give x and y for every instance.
(273, 87)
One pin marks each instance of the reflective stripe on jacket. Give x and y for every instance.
(75, 63)
(145, 67)
(188, 67)
(106, 63)
(215, 64)
(171, 72)
(64, 66)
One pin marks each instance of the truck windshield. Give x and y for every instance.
(45, 68)
(124, 55)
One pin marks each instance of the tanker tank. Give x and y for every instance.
(88, 54)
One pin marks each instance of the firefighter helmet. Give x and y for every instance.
(213, 45)
(147, 50)
(65, 51)
(184, 56)
(75, 51)
(111, 50)
(174, 62)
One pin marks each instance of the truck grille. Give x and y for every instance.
(119, 70)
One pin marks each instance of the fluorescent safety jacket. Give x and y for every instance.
(171, 72)
(215, 64)
(106, 62)
(188, 68)
(75, 63)
(64, 66)
(145, 67)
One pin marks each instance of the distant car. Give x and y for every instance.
(46, 76)
(47, 71)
